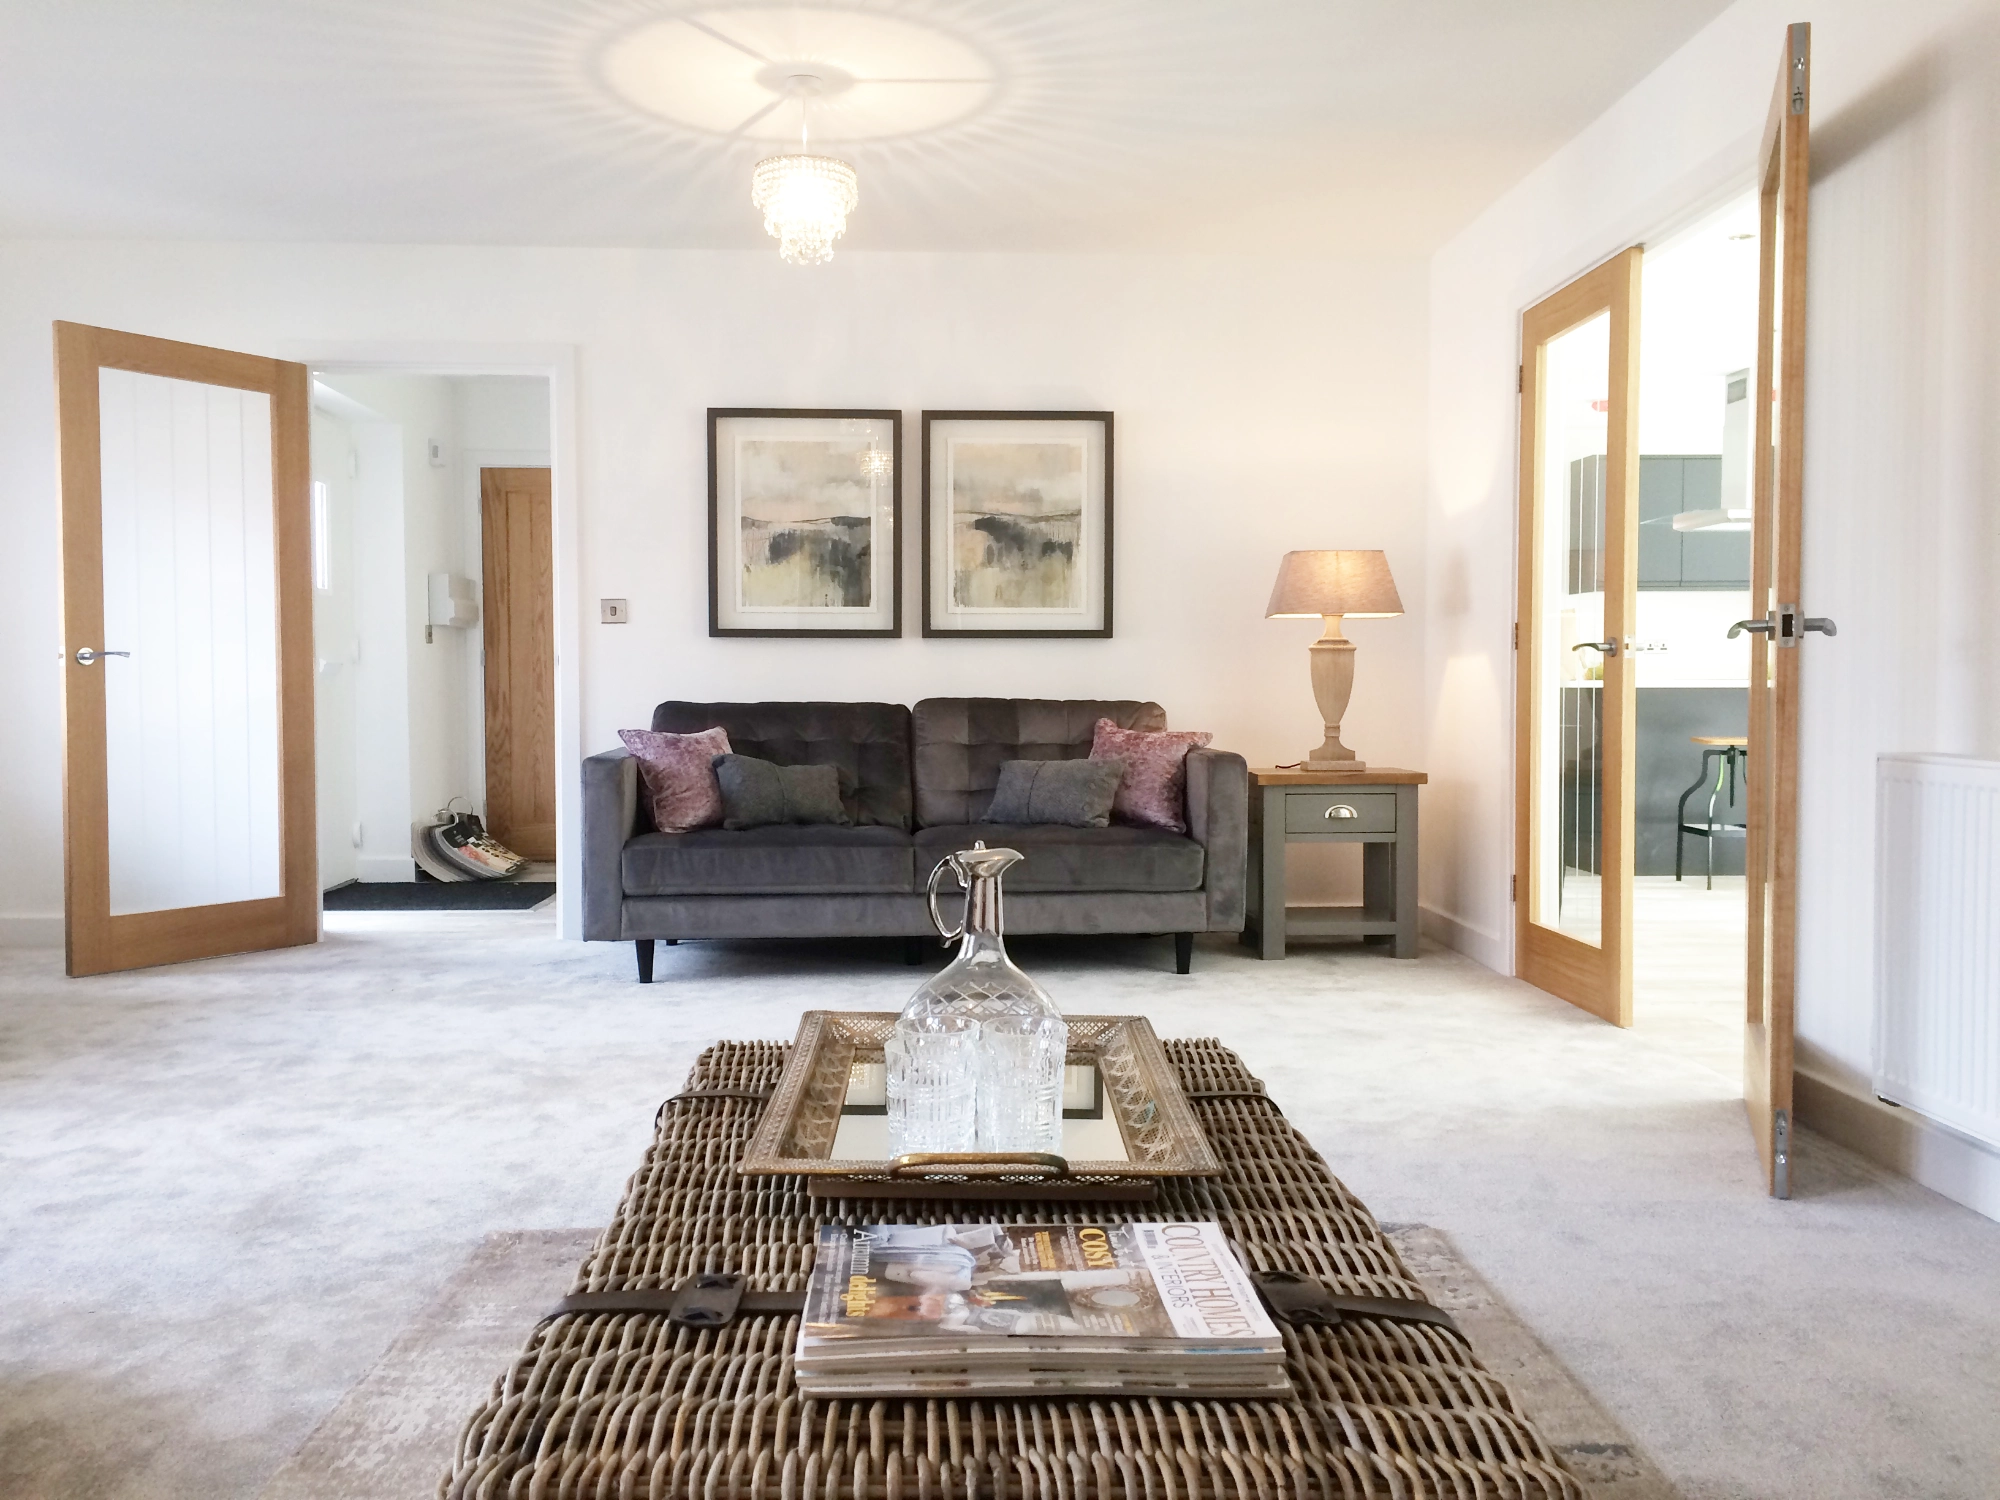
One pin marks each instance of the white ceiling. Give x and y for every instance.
(1290, 126)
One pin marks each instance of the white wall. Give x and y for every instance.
(1903, 432)
(1262, 405)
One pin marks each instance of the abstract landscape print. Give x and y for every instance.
(1017, 523)
(804, 508)
(806, 512)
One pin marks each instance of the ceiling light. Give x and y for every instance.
(805, 199)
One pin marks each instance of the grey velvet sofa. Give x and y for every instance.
(921, 779)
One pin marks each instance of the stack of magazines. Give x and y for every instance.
(1035, 1310)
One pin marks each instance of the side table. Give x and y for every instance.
(1376, 809)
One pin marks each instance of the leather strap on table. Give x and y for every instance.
(1203, 1096)
(1306, 1303)
(754, 1096)
(710, 1300)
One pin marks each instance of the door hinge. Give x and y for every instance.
(1513, 887)
(1520, 379)
(1517, 635)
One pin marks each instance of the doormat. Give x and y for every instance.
(440, 895)
(393, 1433)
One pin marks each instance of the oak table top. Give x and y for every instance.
(1373, 776)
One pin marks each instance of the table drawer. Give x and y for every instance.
(1340, 812)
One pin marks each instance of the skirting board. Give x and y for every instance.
(1481, 947)
(1902, 1140)
(31, 932)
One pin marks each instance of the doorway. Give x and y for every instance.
(1635, 564)
(403, 639)
(1692, 768)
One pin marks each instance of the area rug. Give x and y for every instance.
(440, 895)
(391, 1437)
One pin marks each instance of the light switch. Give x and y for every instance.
(611, 611)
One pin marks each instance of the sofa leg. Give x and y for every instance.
(671, 942)
(913, 951)
(1183, 952)
(643, 947)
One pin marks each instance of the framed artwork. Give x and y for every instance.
(804, 512)
(1017, 523)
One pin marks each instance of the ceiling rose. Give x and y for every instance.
(725, 71)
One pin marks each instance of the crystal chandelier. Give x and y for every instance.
(805, 199)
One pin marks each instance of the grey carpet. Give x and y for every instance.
(392, 1435)
(226, 1186)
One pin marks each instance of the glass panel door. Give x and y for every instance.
(1565, 888)
(1574, 684)
(191, 714)
(187, 643)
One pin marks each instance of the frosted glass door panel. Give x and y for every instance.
(191, 716)
(1567, 786)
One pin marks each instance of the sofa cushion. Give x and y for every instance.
(782, 859)
(1074, 793)
(1058, 859)
(961, 743)
(870, 742)
(759, 792)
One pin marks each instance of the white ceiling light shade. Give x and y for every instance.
(805, 199)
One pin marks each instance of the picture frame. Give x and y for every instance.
(1017, 524)
(805, 520)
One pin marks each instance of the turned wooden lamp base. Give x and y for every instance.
(1333, 682)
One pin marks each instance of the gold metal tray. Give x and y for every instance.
(1126, 1122)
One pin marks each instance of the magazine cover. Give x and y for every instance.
(1173, 1284)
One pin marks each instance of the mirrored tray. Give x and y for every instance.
(1126, 1123)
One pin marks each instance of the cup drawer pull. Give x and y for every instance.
(1341, 810)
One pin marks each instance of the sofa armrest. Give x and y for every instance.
(1218, 813)
(610, 813)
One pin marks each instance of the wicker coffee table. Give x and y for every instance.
(633, 1404)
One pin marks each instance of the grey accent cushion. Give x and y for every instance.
(1118, 858)
(783, 859)
(868, 741)
(756, 793)
(961, 743)
(1074, 793)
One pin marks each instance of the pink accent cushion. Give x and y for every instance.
(679, 779)
(1154, 791)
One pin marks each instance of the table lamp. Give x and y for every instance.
(1332, 585)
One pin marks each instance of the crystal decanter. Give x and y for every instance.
(1018, 1045)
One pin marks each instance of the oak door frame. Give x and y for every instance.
(1596, 979)
(95, 941)
(1771, 842)
(555, 363)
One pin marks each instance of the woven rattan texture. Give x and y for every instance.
(629, 1406)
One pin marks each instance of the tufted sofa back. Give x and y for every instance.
(960, 743)
(870, 742)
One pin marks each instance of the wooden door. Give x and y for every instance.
(187, 651)
(1574, 676)
(1779, 624)
(517, 538)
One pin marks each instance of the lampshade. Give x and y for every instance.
(1311, 584)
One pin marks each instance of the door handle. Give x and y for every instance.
(85, 656)
(1608, 648)
(1785, 625)
(1340, 810)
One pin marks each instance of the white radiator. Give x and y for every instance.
(1937, 939)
